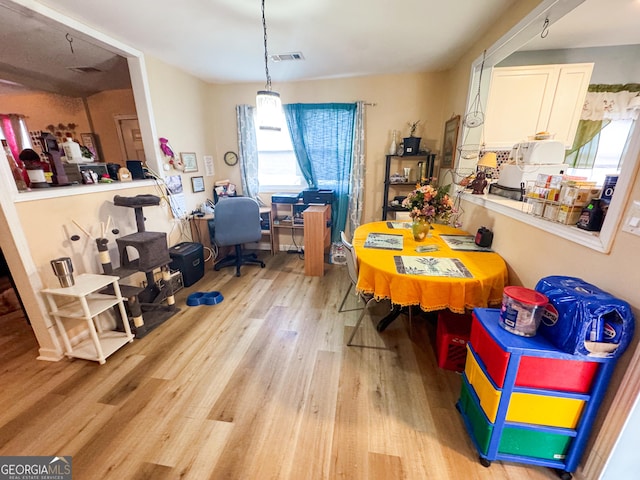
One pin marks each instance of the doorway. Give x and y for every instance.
(16, 335)
(130, 137)
(9, 298)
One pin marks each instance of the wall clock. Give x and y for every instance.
(230, 158)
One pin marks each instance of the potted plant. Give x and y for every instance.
(412, 143)
(428, 204)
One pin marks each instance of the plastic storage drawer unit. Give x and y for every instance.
(524, 400)
(535, 372)
(188, 258)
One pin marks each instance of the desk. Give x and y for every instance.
(317, 238)
(200, 233)
(378, 276)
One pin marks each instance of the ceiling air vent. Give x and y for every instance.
(281, 57)
(85, 69)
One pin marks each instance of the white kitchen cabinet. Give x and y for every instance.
(525, 100)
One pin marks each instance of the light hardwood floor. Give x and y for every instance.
(260, 386)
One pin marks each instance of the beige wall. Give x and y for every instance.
(103, 107)
(200, 118)
(43, 109)
(180, 108)
(48, 224)
(398, 99)
(519, 243)
(532, 254)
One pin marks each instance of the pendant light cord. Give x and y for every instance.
(266, 56)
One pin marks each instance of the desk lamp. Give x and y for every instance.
(488, 160)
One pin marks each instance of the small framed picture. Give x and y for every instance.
(189, 161)
(197, 184)
(450, 142)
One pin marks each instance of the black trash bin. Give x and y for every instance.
(188, 257)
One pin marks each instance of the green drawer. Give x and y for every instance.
(514, 441)
(531, 443)
(480, 426)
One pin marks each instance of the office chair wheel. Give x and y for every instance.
(485, 462)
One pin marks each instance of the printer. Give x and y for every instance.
(317, 195)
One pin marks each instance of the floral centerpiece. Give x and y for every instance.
(428, 204)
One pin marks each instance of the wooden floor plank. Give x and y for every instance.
(260, 386)
(315, 429)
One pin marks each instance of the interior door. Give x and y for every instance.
(130, 138)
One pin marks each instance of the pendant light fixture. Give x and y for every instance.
(268, 103)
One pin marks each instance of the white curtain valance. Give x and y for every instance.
(610, 106)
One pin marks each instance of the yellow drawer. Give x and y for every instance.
(489, 396)
(544, 410)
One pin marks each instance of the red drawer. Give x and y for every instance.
(493, 357)
(556, 374)
(535, 372)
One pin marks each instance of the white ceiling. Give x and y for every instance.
(222, 41)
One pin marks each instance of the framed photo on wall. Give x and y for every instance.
(450, 142)
(189, 161)
(89, 141)
(197, 184)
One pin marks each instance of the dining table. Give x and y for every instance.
(446, 270)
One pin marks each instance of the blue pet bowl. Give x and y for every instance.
(204, 298)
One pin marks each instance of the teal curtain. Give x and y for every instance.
(295, 116)
(323, 138)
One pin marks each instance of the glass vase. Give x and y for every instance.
(420, 228)
(393, 148)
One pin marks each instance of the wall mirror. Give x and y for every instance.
(572, 34)
(68, 78)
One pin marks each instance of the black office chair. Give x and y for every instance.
(236, 220)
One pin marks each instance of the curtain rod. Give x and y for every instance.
(369, 104)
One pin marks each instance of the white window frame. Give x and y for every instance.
(516, 37)
(281, 147)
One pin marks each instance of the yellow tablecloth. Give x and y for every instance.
(378, 275)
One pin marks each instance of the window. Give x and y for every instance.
(608, 161)
(277, 165)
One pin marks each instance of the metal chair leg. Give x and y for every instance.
(355, 329)
(346, 295)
